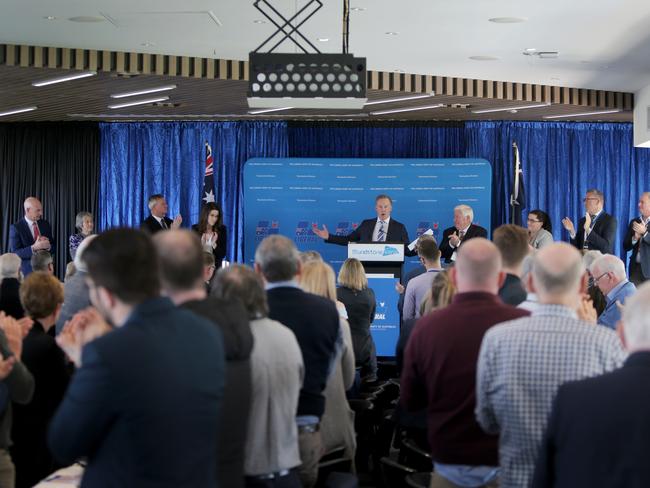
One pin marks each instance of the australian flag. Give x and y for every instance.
(518, 196)
(208, 178)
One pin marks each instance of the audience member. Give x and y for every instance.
(10, 275)
(595, 295)
(597, 229)
(30, 234)
(463, 230)
(181, 276)
(512, 242)
(69, 270)
(540, 232)
(360, 303)
(530, 303)
(309, 256)
(84, 226)
(158, 219)
(638, 241)
(209, 269)
(609, 276)
(440, 369)
(213, 234)
(42, 261)
(596, 434)
(523, 362)
(417, 271)
(41, 295)
(272, 455)
(337, 423)
(315, 322)
(417, 287)
(141, 405)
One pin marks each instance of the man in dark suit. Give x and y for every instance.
(597, 434)
(637, 240)
(512, 242)
(597, 229)
(315, 322)
(158, 220)
(143, 406)
(31, 234)
(463, 230)
(381, 229)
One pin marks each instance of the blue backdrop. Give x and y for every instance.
(560, 159)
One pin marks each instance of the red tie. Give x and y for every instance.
(37, 234)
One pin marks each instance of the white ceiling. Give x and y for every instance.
(603, 44)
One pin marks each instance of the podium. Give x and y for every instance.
(379, 257)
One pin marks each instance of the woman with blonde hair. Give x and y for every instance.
(337, 423)
(360, 303)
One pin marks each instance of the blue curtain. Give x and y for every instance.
(141, 159)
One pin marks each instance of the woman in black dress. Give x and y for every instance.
(212, 232)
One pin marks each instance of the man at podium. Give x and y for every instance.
(381, 229)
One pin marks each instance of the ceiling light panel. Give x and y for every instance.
(63, 79)
(139, 102)
(144, 91)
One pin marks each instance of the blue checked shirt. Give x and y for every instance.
(521, 365)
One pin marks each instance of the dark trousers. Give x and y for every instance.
(636, 274)
(289, 481)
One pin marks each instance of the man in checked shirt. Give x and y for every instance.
(523, 362)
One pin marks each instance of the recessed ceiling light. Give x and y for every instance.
(143, 92)
(259, 21)
(323, 39)
(508, 20)
(268, 110)
(408, 109)
(49, 17)
(61, 79)
(139, 102)
(357, 9)
(17, 111)
(508, 109)
(87, 19)
(400, 99)
(613, 111)
(392, 33)
(530, 50)
(483, 58)
(147, 44)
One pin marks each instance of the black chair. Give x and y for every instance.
(410, 454)
(418, 480)
(381, 447)
(393, 473)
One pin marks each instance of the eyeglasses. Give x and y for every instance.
(585, 200)
(596, 279)
(532, 221)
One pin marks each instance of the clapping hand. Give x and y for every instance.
(82, 328)
(14, 333)
(42, 243)
(6, 365)
(639, 230)
(586, 310)
(176, 223)
(454, 240)
(587, 225)
(568, 225)
(323, 234)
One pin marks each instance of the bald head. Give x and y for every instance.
(477, 266)
(181, 260)
(558, 273)
(33, 208)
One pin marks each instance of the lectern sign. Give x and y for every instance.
(377, 252)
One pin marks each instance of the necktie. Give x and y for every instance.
(381, 233)
(163, 224)
(37, 234)
(461, 234)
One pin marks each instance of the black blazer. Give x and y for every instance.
(602, 235)
(10, 298)
(21, 241)
(360, 306)
(222, 244)
(396, 234)
(512, 292)
(446, 250)
(151, 225)
(598, 434)
(643, 242)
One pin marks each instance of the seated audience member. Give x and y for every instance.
(315, 323)
(213, 234)
(141, 405)
(597, 298)
(597, 435)
(158, 220)
(360, 303)
(209, 269)
(609, 276)
(539, 229)
(41, 295)
(440, 369)
(10, 275)
(337, 423)
(417, 287)
(42, 261)
(181, 278)
(272, 455)
(84, 226)
(512, 242)
(524, 361)
(76, 296)
(463, 230)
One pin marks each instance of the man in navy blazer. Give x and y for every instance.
(143, 405)
(158, 219)
(381, 229)
(30, 234)
(609, 275)
(463, 230)
(637, 240)
(598, 434)
(597, 229)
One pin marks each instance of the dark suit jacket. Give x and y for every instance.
(222, 244)
(598, 433)
(396, 234)
(315, 322)
(10, 298)
(21, 241)
(144, 405)
(602, 235)
(151, 225)
(446, 250)
(644, 243)
(512, 292)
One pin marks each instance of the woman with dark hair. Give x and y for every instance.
(539, 229)
(212, 231)
(84, 226)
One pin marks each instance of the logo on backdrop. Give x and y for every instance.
(389, 251)
(304, 232)
(380, 312)
(344, 228)
(266, 228)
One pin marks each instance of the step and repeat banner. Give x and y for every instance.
(288, 195)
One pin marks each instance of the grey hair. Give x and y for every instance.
(278, 258)
(557, 282)
(153, 199)
(465, 210)
(609, 264)
(41, 260)
(79, 263)
(79, 219)
(598, 193)
(10, 265)
(636, 319)
(589, 257)
(239, 282)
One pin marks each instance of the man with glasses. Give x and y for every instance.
(597, 229)
(609, 275)
(637, 240)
